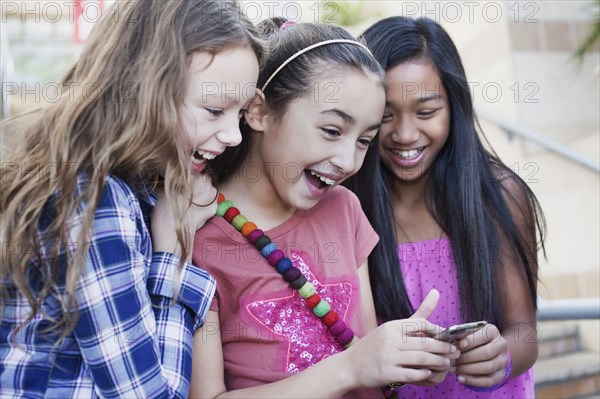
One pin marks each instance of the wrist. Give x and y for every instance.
(344, 374)
(507, 373)
(168, 243)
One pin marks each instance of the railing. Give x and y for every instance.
(568, 309)
(6, 68)
(512, 129)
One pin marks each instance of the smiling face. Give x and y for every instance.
(321, 139)
(416, 121)
(218, 89)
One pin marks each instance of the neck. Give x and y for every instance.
(252, 192)
(410, 195)
(413, 219)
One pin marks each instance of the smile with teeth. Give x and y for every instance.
(199, 156)
(324, 179)
(409, 154)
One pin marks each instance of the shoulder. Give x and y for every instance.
(217, 229)
(339, 199)
(340, 209)
(118, 188)
(117, 201)
(512, 187)
(519, 199)
(116, 194)
(212, 241)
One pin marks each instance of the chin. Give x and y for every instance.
(303, 203)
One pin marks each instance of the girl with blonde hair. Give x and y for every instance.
(98, 297)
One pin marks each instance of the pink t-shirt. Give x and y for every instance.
(267, 331)
(430, 264)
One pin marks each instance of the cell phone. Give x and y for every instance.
(455, 333)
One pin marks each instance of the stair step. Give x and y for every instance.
(557, 347)
(557, 338)
(568, 376)
(573, 366)
(549, 330)
(583, 388)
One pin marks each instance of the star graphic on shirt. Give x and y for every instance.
(309, 340)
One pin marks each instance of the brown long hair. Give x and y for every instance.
(298, 77)
(466, 189)
(117, 115)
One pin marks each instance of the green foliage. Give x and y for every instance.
(344, 13)
(592, 37)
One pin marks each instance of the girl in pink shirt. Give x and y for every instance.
(451, 214)
(290, 297)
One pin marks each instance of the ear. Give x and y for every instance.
(257, 110)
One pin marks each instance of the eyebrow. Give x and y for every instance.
(422, 99)
(430, 97)
(349, 119)
(338, 112)
(226, 98)
(375, 126)
(225, 95)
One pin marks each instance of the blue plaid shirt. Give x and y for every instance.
(130, 340)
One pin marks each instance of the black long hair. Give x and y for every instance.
(464, 190)
(297, 77)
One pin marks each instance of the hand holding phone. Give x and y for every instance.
(456, 333)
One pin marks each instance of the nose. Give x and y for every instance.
(230, 134)
(405, 131)
(345, 158)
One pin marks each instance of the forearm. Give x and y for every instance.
(522, 345)
(174, 337)
(153, 334)
(122, 318)
(326, 379)
(177, 320)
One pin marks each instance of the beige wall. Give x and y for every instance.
(518, 59)
(527, 54)
(521, 69)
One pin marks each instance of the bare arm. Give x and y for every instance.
(516, 304)
(484, 359)
(208, 373)
(366, 298)
(388, 354)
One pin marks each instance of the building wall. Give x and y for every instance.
(518, 57)
(519, 61)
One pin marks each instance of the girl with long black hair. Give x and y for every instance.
(450, 216)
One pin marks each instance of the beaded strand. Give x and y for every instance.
(291, 274)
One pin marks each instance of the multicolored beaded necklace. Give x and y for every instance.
(291, 274)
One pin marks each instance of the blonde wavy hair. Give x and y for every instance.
(117, 115)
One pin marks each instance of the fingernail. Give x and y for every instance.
(453, 348)
(461, 379)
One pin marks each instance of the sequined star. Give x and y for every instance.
(309, 340)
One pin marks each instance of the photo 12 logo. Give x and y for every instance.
(471, 11)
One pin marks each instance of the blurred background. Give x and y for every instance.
(534, 70)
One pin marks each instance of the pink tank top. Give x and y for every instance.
(430, 264)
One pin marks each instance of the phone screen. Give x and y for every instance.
(456, 333)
